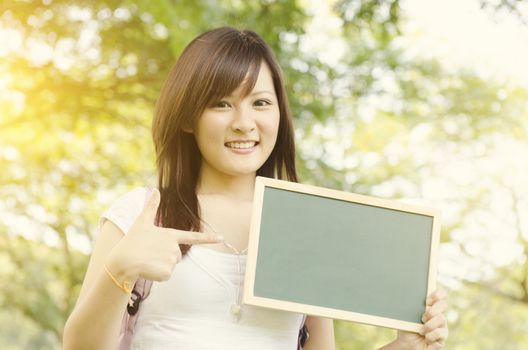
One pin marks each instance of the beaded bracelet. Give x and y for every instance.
(124, 286)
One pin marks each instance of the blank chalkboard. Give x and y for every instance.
(340, 255)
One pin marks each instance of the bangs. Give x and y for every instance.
(234, 62)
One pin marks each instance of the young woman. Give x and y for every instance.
(222, 119)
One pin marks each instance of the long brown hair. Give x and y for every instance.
(211, 67)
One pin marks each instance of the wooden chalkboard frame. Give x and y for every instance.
(249, 296)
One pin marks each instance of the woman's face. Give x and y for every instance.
(236, 135)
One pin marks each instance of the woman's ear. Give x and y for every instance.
(187, 130)
(187, 127)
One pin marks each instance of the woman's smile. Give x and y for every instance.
(241, 147)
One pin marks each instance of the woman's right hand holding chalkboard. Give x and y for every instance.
(150, 251)
(435, 332)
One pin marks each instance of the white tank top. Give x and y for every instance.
(191, 310)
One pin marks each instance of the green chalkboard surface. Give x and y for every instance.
(340, 255)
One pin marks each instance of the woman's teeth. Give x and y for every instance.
(241, 144)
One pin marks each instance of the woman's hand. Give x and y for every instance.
(434, 333)
(149, 251)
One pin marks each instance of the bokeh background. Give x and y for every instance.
(422, 101)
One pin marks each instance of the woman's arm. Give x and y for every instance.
(146, 250)
(96, 319)
(321, 333)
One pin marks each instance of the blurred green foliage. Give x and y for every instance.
(75, 133)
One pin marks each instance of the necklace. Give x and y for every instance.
(236, 307)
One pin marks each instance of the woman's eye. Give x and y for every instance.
(262, 103)
(221, 104)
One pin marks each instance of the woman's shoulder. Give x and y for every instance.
(124, 210)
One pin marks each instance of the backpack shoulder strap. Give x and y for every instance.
(303, 334)
(140, 292)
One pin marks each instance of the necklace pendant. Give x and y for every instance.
(235, 309)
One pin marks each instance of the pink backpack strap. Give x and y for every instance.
(140, 292)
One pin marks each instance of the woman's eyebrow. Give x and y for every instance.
(253, 93)
(260, 92)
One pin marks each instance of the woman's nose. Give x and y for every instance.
(243, 121)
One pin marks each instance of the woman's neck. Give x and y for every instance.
(236, 187)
